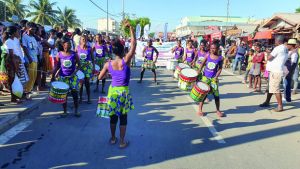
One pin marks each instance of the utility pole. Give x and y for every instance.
(123, 19)
(107, 20)
(226, 21)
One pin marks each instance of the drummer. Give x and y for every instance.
(149, 50)
(66, 61)
(199, 59)
(86, 56)
(213, 69)
(100, 60)
(179, 51)
(190, 54)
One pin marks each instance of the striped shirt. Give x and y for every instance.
(45, 47)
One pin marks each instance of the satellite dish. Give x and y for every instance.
(14, 18)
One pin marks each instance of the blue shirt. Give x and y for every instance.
(30, 43)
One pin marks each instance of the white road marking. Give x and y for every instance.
(211, 128)
(5, 137)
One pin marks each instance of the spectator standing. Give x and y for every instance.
(30, 52)
(296, 73)
(53, 52)
(289, 68)
(275, 66)
(77, 37)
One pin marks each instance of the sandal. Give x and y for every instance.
(96, 90)
(278, 110)
(220, 114)
(63, 115)
(139, 81)
(103, 92)
(78, 114)
(16, 102)
(265, 104)
(200, 114)
(89, 102)
(257, 90)
(156, 83)
(1, 104)
(127, 144)
(113, 142)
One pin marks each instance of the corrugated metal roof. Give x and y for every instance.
(219, 19)
(294, 17)
(247, 28)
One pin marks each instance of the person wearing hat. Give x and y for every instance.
(289, 68)
(296, 72)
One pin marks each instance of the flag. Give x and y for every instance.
(137, 34)
(156, 31)
(166, 32)
(140, 31)
(146, 31)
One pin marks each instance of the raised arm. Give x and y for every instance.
(131, 52)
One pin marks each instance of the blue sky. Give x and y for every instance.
(172, 11)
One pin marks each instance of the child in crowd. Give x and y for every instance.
(249, 69)
(258, 67)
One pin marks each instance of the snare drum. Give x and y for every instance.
(59, 91)
(178, 69)
(80, 76)
(187, 79)
(97, 70)
(199, 91)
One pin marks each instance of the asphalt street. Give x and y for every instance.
(164, 129)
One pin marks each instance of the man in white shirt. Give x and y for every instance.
(289, 68)
(53, 52)
(275, 66)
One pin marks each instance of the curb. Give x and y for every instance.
(11, 119)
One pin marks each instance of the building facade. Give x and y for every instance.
(113, 26)
(197, 24)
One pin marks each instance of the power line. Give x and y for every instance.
(104, 10)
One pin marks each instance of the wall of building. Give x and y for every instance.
(113, 26)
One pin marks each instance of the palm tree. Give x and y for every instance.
(44, 13)
(67, 18)
(16, 8)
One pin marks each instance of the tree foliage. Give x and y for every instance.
(298, 10)
(16, 8)
(8, 14)
(67, 18)
(151, 34)
(44, 13)
(143, 21)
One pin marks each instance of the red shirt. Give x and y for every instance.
(123, 42)
(259, 59)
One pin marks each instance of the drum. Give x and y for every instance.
(97, 70)
(199, 91)
(59, 91)
(187, 79)
(80, 76)
(178, 69)
(172, 64)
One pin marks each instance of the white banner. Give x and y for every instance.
(146, 31)
(157, 30)
(138, 29)
(164, 50)
(166, 32)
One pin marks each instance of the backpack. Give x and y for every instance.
(241, 51)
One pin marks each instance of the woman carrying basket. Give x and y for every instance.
(119, 97)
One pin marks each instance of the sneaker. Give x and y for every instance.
(243, 82)
(286, 102)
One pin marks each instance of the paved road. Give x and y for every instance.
(165, 132)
